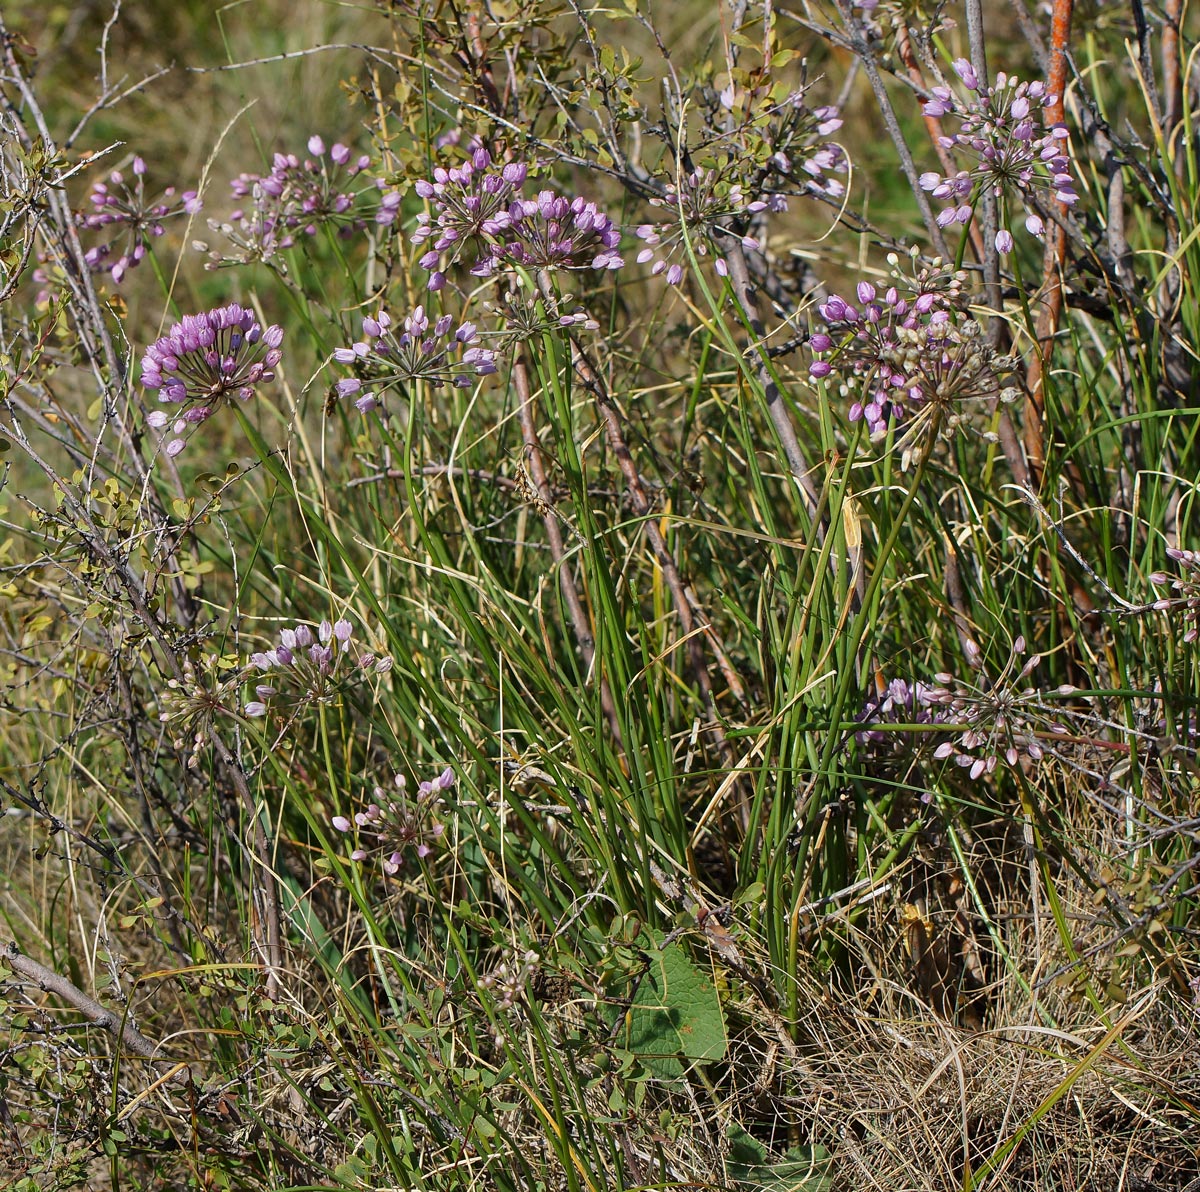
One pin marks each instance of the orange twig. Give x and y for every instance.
(1056, 247)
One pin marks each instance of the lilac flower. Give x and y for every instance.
(908, 354)
(330, 188)
(1006, 152)
(133, 219)
(523, 317)
(389, 828)
(308, 668)
(774, 149)
(257, 232)
(479, 220)
(702, 202)
(552, 232)
(1187, 585)
(470, 214)
(900, 703)
(1003, 720)
(203, 361)
(437, 354)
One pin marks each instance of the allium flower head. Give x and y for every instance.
(479, 220)
(1004, 720)
(553, 232)
(695, 208)
(777, 146)
(1187, 587)
(908, 353)
(523, 317)
(202, 361)
(470, 214)
(901, 703)
(309, 667)
(391, 827)
(132, 219)
(331, 187)
(1007, 149)
(388, 356)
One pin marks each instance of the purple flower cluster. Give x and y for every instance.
(901, 703)
(389, 828)
(309, 668)
(329, 188)
(908, 352)
(701, 202)
(205, 359)
(478, 219)
(553, 232)
(1187, 585)
(991, 723)
(132, 218)
(795, 136)
(437, 354)
(1003, 720)
(1010, 155)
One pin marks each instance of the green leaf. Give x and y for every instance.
(674, 1019)
(802, 1169)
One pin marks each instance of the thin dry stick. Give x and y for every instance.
(1056, 247)
(866, 55)
(115, 1024)
(988, 205)
(687, 604)
(1172, 82)
(537, 473)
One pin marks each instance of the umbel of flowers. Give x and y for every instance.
(308, 667)
(988, 722)
(204, 360)
(1186, 585)
(1007, 149)
(390, 828)
(332, 187)
(131, 218)
(478, 219)
(390, 357)
(908, 354)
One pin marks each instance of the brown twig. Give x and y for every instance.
(115, 1024)
(580, 621)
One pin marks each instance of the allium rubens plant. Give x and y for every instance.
(309, 668)
(995, 721)
(202, 362)
(331, 188)
(480, 220)
(663, 550)
(1186, 585)
(389, 358)
(130, 218)
(395, 830)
